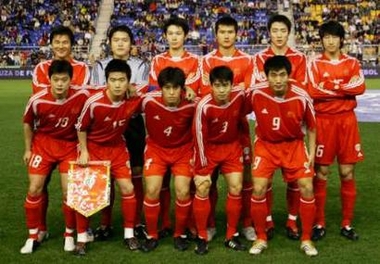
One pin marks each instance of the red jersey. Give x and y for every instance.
(218, 124)
(330, 83)
(81, 74)
(281, 119)
(105, 121)
(167, 127)
(296, 58)
(188, 62)
(55, 117)
(240, 63)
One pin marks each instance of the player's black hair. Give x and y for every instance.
(226, 21)
(277, 63)
(122, 28)
(334, 28)
(62, 30)
(60, 66)
(176, 21)
(281, 19)
(221, 73)
(172, 75)
(117, 65)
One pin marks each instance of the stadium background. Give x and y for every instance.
(24, 28)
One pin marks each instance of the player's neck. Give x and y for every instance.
(59, 96)
(177, 52)
(68, 58)
(126, 57)
(114, 98)
(279, 50)
(227, 52)
(333, 55)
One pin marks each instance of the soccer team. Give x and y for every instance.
(194, 128)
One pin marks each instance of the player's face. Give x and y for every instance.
(120, 45)
(117, 85)
(61, 47)
(175, 37)
(279, 34)
(221, 91)
(60, 83)
(331, 43)
(226, 36)
(278, 81)
(171, 94)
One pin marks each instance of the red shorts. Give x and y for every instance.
(47, 152)
(228, 157)
(290, 157)
(117, 154)
(159, 159)
(338, 136)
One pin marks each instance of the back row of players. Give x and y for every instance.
(194, 139)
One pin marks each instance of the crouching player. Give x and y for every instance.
(169, 146)
(217, 135)
(282, 109)
(101, 125)
(50, 140)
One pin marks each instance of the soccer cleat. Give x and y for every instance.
(235, 244)
(258, 247)
(69, 244)
(132, 243)
(150, 244)
(270, 233)
(29, 246)
(42, 236)
(191, 234)
(349, 233)
(90, 235)
(292, 234)
(139, 232)
(165, 232)
(103, 233)
(201, 247)
(80, 249)
(249, 233)
(318, 233)
(308, 248)
(181, 243)
(211, 232)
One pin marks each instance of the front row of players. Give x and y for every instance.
(178, 130)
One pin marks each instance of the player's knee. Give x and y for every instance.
(152, 192)
(202, 185)
(346, 173)
(306, 187)
(322, 172)
(126, 188)
(259, 190)
(235, 189)
(182, 193)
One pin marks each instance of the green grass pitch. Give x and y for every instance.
(333, 248)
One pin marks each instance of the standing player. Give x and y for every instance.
(101, 125)
(51, 140)
(61, 41)
(216, 130)
(335, 81)
(279, 27)
(282, 109)
(169, 146)
(121, 39)
(175, 32)
(226, 29)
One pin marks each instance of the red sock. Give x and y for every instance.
(348, 198)
(137, 181)
(44, 208)
(128, 210)
(83, 222)
(182, 213)
(106, 213)
(233, 211)
(151, 211)
(246, 204)
(293, 203)
(69, 215)
(165, 198)
(320, 191)
(213, 196)
(269, 201)
(259, 212)
(201, 210)
(32, 206)
(307, 214)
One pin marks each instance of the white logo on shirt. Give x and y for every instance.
(264, 111)
(107, 119)
(157, 117)
(326, 75)
(215, 120)
(51, 116)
